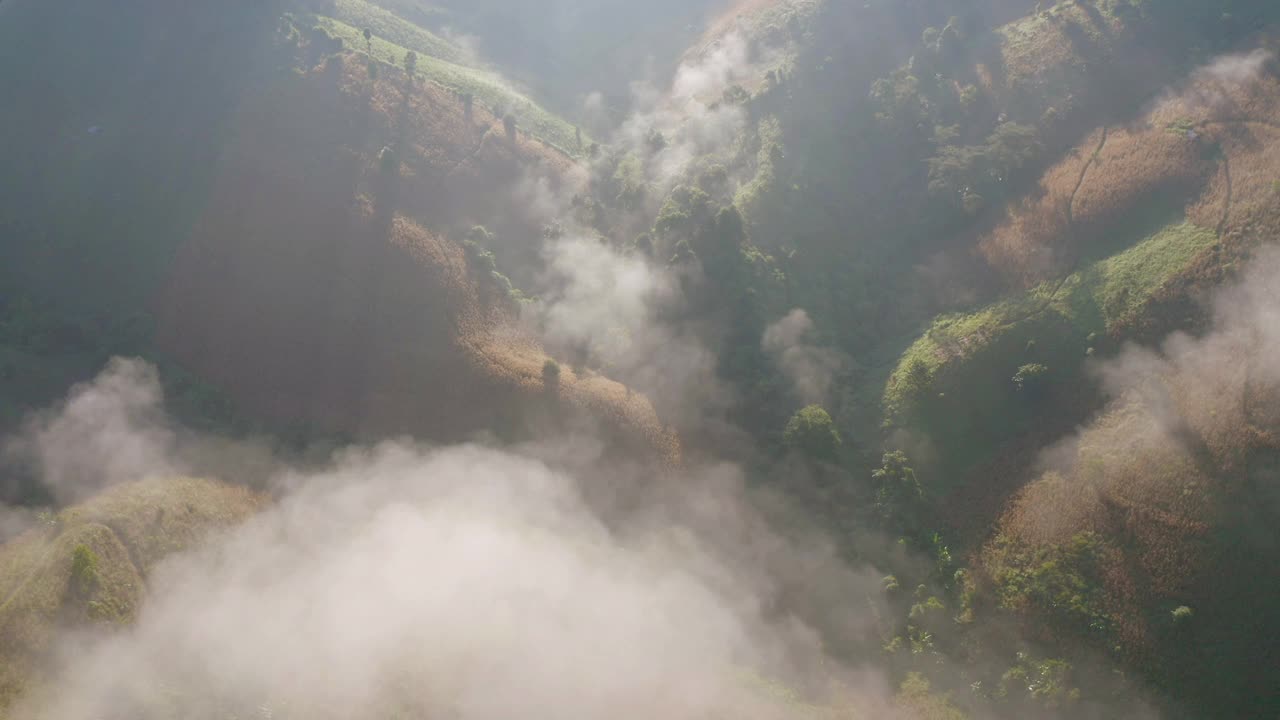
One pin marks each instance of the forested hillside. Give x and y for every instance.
(765, 358)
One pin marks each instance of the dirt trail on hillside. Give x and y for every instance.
(1084, 172)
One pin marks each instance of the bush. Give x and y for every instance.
(899, 495)
(812, 432)
(84, 570)
(1060, 582)
(551, 373)
(1031, 377)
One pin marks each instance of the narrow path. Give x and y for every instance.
(1093, 159)
(1226, 164)
(472, 154)
(1072, 230)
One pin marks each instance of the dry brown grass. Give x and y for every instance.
(1084, 199)
(1212, 145)
(1134, 167)
(1028, 245)
(1155, 477)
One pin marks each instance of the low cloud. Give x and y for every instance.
(810, 368)
(106, 432)
(1196, 397)
(603, 308)
(1235, 68)
(1215, 87)
(707, 76)
(468, 582)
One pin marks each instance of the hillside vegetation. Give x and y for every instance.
(978, 293)
(87, 566)
(1105, 195)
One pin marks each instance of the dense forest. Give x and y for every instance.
(767, 358)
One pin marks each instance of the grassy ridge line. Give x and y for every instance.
(487, 88)
(1096, 299)
(395, 29)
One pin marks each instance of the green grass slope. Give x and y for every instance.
(957, 380)
(395, 29)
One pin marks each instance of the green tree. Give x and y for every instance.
(812, 432)
(411, 64)
(368, 40)
(899, 496)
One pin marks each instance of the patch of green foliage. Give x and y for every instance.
(84, 570)
(812, 432)
(1030, 377)
(1045, 682)
(954, 381)
(1059, 582)
(971, 175)
(899, 496)
(484, 264)
(1182, 614)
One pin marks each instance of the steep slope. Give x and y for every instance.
(1166, 180)
(272, 227)
(1154, 512)
(311, 291)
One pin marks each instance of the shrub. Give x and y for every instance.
(812, 432)
(551, 373)
(899, 496)
(84, 570)
(1031, 377)
(1060, 581)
